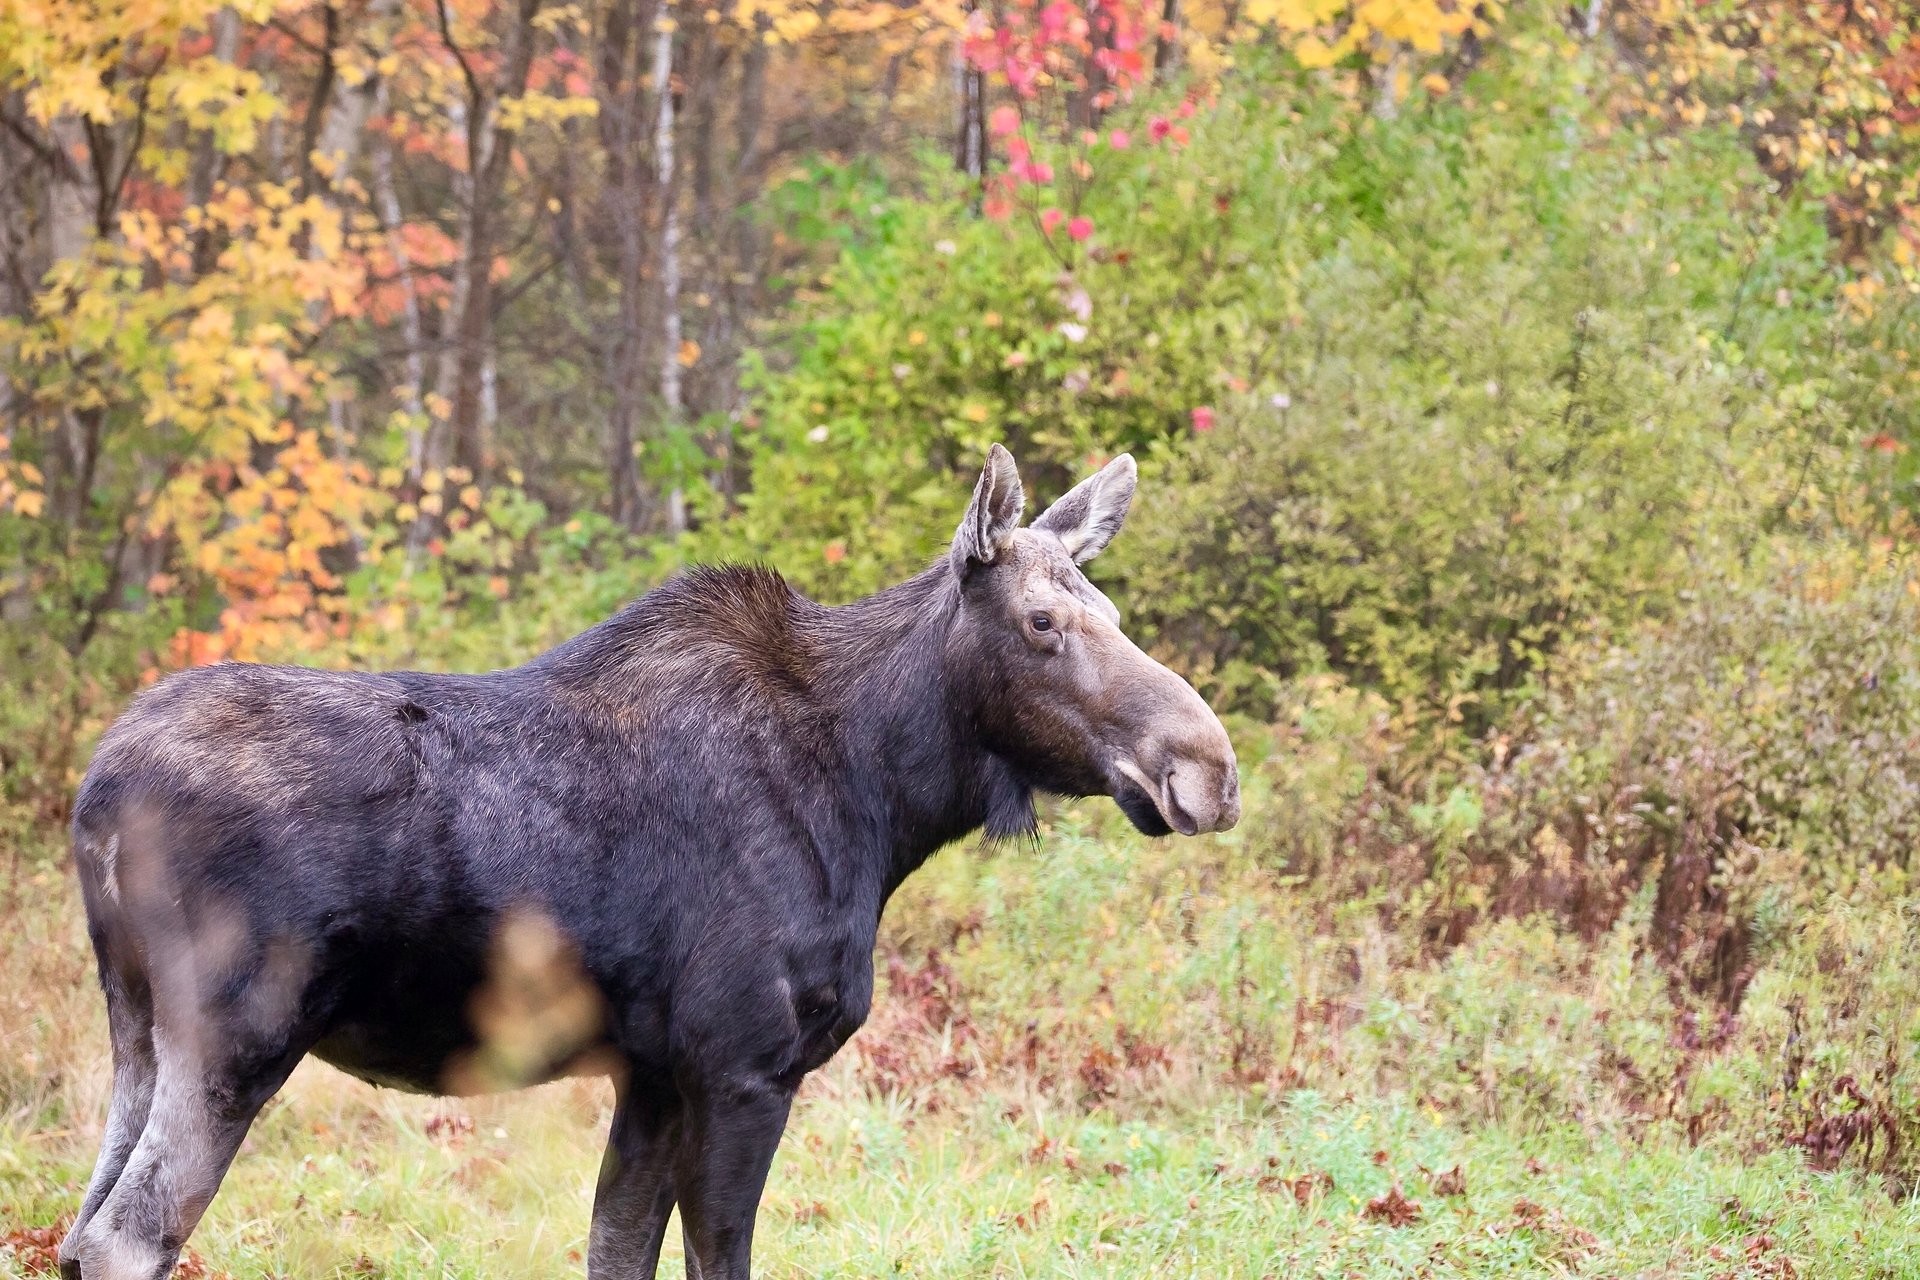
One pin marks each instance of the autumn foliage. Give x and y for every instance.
(323, 320)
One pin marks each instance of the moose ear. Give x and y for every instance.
(1089, 514)
(993, 514)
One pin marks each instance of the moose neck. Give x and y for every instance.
(923, 776)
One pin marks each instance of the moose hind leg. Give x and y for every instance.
(636, 1191)
(200, 1111)
(130, 1030)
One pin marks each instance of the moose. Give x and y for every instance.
(679, 829)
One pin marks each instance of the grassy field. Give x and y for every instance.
(1093, 1057)
(340, 1180)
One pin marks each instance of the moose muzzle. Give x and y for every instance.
(1181, 775)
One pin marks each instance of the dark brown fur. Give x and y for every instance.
(661, 849)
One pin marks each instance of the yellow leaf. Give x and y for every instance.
(470, 497)
(1313, 53)
(30, 503)
(689, 353)
(974, 413)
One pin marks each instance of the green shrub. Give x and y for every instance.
(1513, 397)
(1758, 749)
(1743, 761)
(1473, 382)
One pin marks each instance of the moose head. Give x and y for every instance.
(1061, 693)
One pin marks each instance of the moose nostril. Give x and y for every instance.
(1230, 799)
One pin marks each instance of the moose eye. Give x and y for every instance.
(1041, 622)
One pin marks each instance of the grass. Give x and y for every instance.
(1096, 1057)
(341, 1180)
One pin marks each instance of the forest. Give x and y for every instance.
(1526, 402)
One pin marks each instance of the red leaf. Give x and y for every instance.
(1394, 1209)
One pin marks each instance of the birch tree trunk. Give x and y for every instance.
(1386, 98)
(663, 166)
(343, 124)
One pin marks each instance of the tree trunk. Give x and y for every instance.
(343, 123)
(627, 193)
(1166, 51)
(743, 268)
(343, 127)
(209, 163)
(447, 362)
(489, 155)
(16, 295)
(72, 200)
(569, 234)
(663, 167)
(387, 205)
(71, 191)
(970, 130)
(709, 55)
(1085, 106)
(316, 115)
(1386, 98)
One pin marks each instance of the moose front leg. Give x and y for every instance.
(635, 1194)
(726, 1147)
